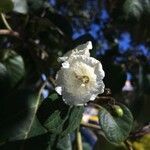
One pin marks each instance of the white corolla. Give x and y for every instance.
(80, 78)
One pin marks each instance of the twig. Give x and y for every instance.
(92, 126)
(51, 79)
(108, 99)
(41, 88)
(79, 140)
(5, 22)
(9, 32)
(94, 105)
(140, 132)
(128, 145)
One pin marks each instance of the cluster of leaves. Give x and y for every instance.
(25, 125)
(132, 17)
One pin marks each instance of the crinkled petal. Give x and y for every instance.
(99, 71)
(93, 96)
(84, 49)
(59, 90)
(65, 64)
(79, 50)
(62, 59)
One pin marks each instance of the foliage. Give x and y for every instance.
(33, 34)
(6, 6)
(116, 128)
(142, 143)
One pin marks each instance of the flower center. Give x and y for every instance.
(83, 79)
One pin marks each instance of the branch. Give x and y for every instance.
(97, 106)
(5, 22)
(79, 140)
(52, 80)
(128, 145)
(105, 99)
(92, 126)
(9, 32)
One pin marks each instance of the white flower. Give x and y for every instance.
(80, 78)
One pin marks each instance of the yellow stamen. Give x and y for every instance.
(83, 79)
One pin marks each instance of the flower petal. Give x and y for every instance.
(65, 64)
(79, 50)
(59, 90)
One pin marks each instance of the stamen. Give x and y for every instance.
(83, 79)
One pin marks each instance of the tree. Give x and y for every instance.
(33, 34)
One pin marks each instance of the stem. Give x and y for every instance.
(5, 22)
(107, 98)
(94, 105)
(51, 79)
(92, 126)
(9, 32)
(128, 145)
(79, 140)
(41, 88)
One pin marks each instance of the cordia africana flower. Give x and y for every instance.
(80, 78)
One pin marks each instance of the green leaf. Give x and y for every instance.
(54, 96)
(146, 5)
(18, 119)
(34, 4)
(133, 8)
(63, 143)
(52, 114)
(115, 128)
(6, 5)
(4, 80)
(23, 6)
(136, 8)
(74, 119)
(15, 67)
(59, 118)
(20, 6)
